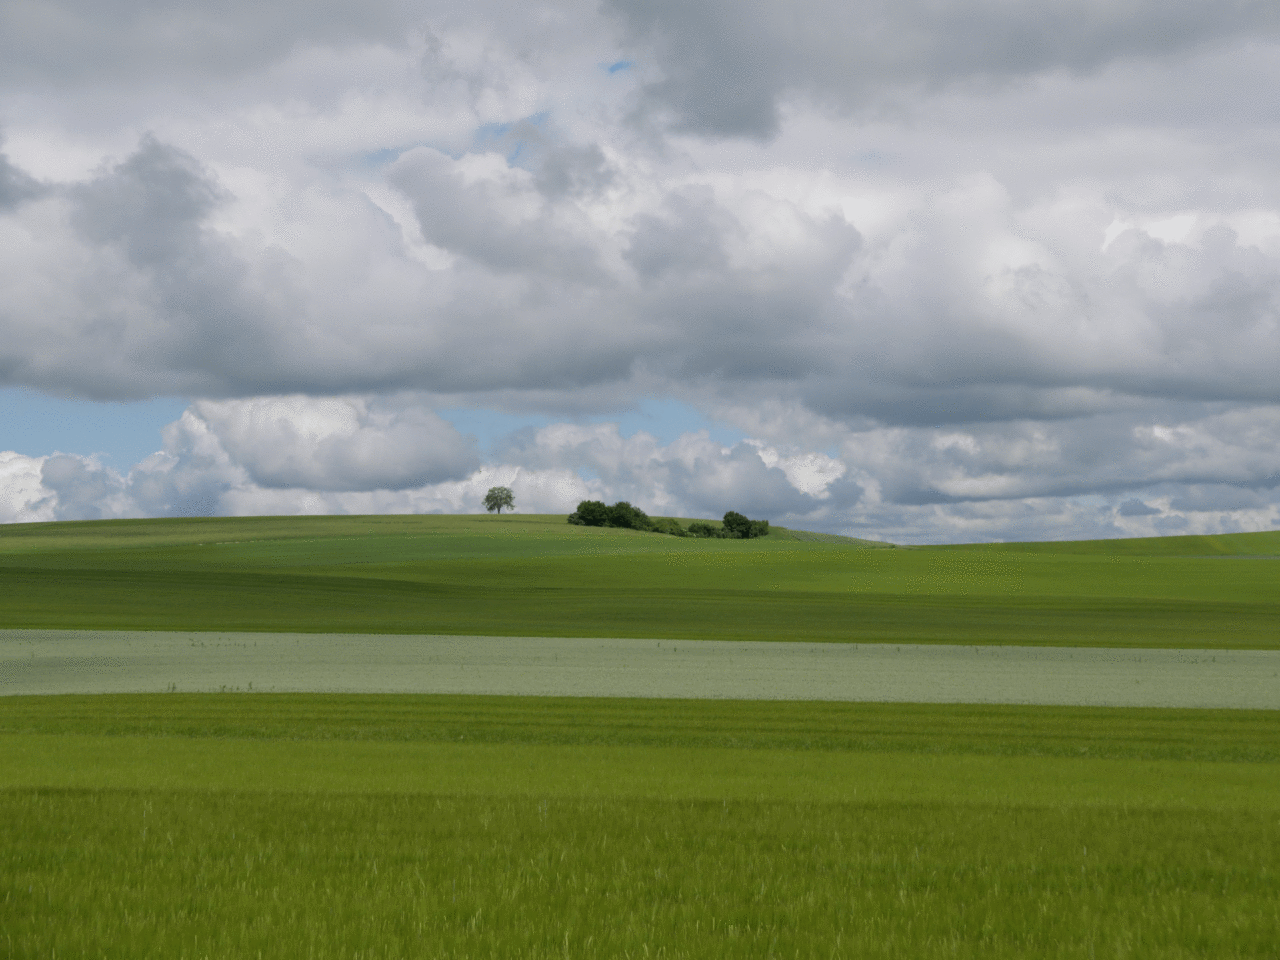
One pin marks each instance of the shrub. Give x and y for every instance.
(740, 528)
(590, 513)
(624, 515)
(701, 528)
(594, 513)
(669, 526)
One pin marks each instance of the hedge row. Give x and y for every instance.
(595, 513)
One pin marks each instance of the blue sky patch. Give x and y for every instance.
(121, 433)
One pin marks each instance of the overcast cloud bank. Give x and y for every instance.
(1011, 271)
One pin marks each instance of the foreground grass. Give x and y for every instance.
(328, 826)
(538, 576)
(178, 874)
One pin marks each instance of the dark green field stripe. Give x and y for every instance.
(1000, 730)
(268, 601)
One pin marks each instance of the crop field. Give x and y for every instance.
(537, 576)
(75, 661)
(317, 825)
(331, 826)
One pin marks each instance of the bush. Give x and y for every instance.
(590, 513)
(701, 528)
(624, 515)
(740, 528)
(668, 526)
(594, 513)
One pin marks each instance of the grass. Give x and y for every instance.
(417, 826)
(193, 875)
(324, 826)
(538, 576)
(947, 729)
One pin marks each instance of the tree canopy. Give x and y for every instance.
(499, 497)
(596, 513)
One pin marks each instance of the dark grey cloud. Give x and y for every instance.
(726, 65)
(152, 204)
(16, 186)
(60, 43)
(575, 170)
(1134, 507)
(1213, 498)
(687, 236)
(164, 303)
(496, 221)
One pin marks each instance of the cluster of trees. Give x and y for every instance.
(736, 527)
(596, 513)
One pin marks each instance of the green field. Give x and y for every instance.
(538, 576)
(316, 826)
(308, 826)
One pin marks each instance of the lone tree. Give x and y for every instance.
(499, 497)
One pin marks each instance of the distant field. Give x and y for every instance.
(328, 826)
(538, 576)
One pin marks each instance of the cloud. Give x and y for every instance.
(482, 209)
(955, 313)
(940, 264)
(726, 65)
(16, 186)
(69, 42)
(1216, 498)
(338, 444)
(23, 498)
(1136, 508)
(84, 490)
(61, 487)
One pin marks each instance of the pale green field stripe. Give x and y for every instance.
(73, 761)
(57, 661)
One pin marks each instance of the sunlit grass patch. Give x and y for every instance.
(287, 875)
(329, 826)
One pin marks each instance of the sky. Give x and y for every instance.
(976, 271)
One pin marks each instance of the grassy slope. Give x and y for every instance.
(472, 827)
(322, 826)
(522, 575)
